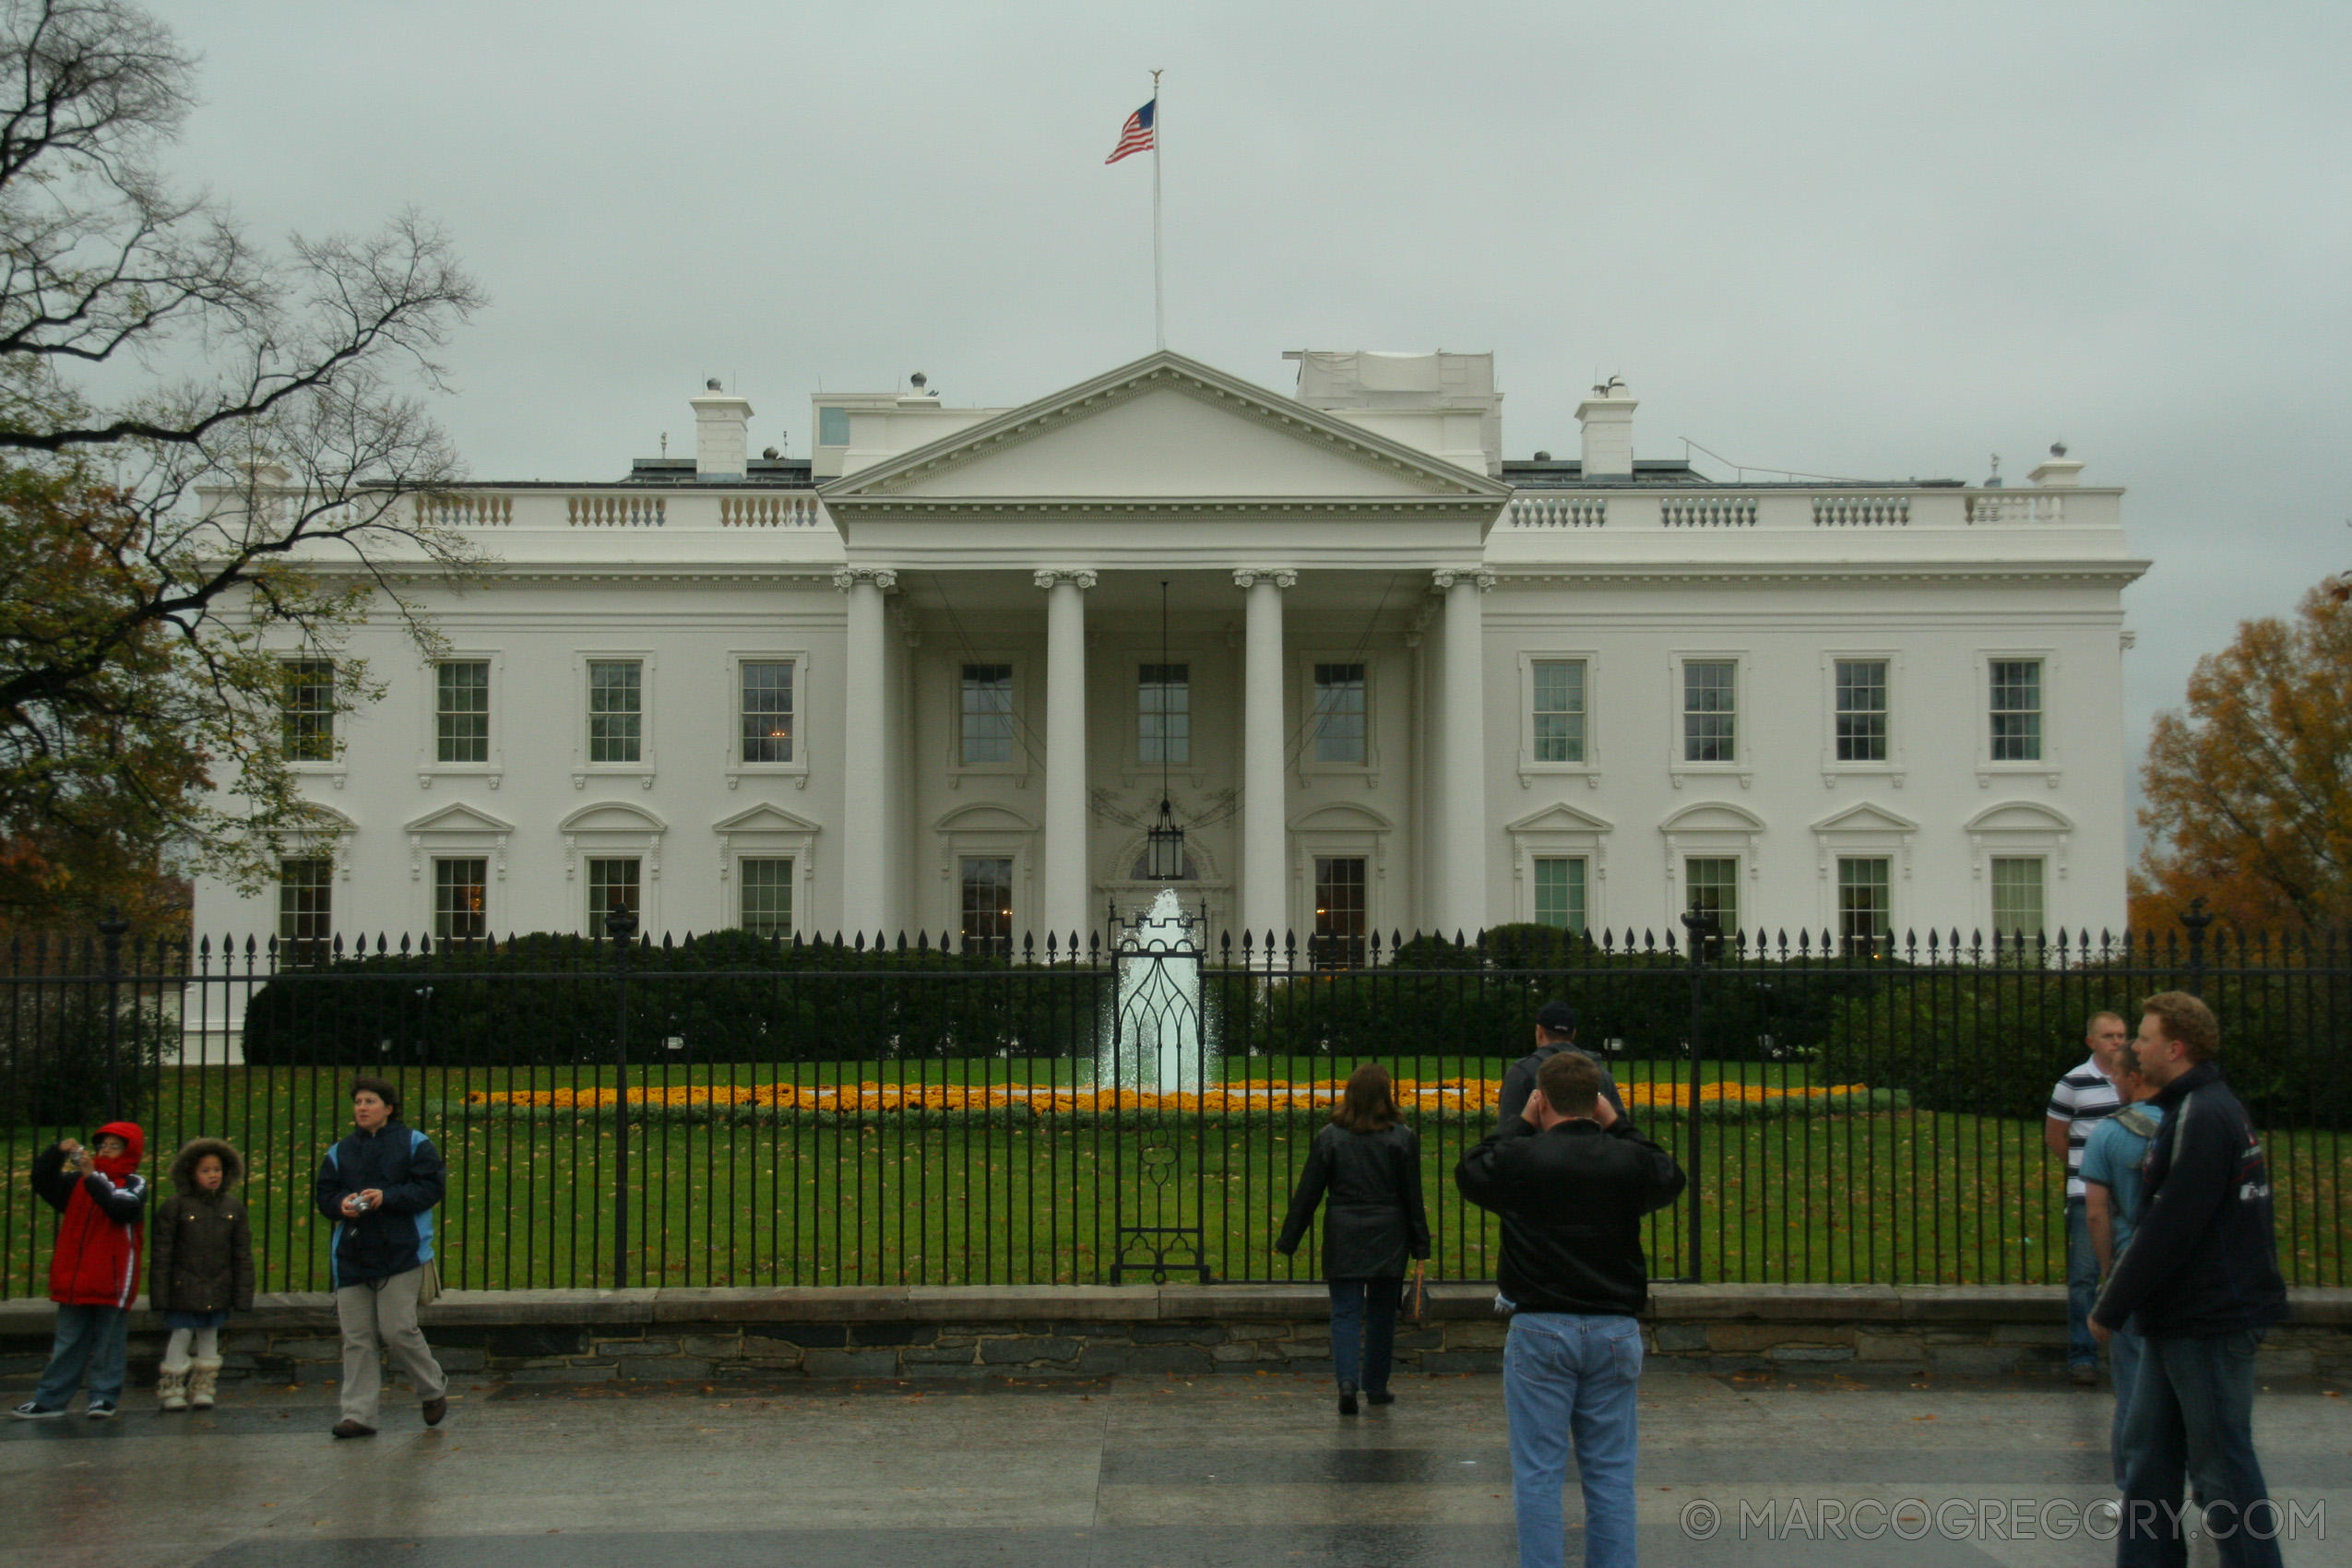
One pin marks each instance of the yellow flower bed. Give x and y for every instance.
(1046, 1100)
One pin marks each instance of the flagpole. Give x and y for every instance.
(1159, 307)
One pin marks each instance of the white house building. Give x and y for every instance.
(920, 681)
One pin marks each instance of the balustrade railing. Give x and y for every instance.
(1559, 512)
(616, 510)
(1862, 511)
(768, 512)
(1707, 510)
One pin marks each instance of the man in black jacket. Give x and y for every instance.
(2200, 1284)
(1571, 1178)
(1555, 1032)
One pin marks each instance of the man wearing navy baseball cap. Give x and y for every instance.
(1555, 1032)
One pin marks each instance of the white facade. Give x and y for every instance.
(1547, 650)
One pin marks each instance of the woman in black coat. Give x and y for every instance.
(1370, 1162)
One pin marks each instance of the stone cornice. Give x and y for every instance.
(1151, 509)
(2107, 573)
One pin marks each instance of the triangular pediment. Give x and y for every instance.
(458, 818)
(764, 818)
(1561, 818)
(1865, 818)
(1164, 427)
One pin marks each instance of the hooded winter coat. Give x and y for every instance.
(96, 1260)
(201, 1258)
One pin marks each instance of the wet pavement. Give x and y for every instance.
(1120, 1471)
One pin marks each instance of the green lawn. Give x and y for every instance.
(1892, 1197)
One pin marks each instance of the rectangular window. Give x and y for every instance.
(766, 891)
(1710, 699)
(767, 710)
(612, 885)
(616, 710)
(833, 427)
(2017, 907)
(1711, 886)
(988, 903)
(1560, 892)
(1861, 710)
(1559, 709)
(1164, 714)
(1339, 713)
(1865, 903)
(2016, 710)
(307, 719)
(305, 907)
(1339, 910)
(987, 715)
(461, 711)
(460, 899)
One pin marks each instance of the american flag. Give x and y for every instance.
(1136, 134)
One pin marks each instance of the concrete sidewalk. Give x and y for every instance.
(1125, 1471)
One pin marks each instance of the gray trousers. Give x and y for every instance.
(385, 1311)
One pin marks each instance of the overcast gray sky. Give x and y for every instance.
(1869, 240)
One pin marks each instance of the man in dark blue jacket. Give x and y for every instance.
(2200, 1285)
(380, 1186)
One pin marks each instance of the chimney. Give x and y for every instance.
(2058, 469)
(720, 424)
(1607, 418)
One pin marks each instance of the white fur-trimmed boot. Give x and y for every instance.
(204, 1377)
(171, 1387)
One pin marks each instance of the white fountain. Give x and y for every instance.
(1161, 1045)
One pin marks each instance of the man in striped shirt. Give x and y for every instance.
(2081, 1100)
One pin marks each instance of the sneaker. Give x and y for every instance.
(28, 1411)
(101, 1410)
(349, 1428)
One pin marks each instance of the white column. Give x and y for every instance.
(867, 901)
(1462, 839)
(1264, 809)
(1069, 890)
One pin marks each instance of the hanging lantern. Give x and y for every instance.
(1164, 850)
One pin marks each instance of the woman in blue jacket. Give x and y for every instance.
(380, 1186)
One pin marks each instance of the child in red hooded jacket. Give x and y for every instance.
(94, 1270)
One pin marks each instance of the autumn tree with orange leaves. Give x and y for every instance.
(2250, 787)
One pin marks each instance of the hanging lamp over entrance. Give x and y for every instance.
(1164, 843)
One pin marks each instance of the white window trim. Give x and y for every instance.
(1307, 767)
(1366, 840)
(732, 765)
(454, 832)
(429, 764)
(766, 833)
(1891, 841)
(649, 709)
(2048, 769)
(642, 844)
(1529, 768)
(958, 770)
(1556, 831)
(337, 770)
(1743, 743)
(1130, 760)
(1895, 770)
(1718, 843)
(1017, 844)
(2051, 844)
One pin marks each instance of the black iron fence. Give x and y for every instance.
(728, 1110)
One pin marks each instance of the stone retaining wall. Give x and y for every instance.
(1188, 1331)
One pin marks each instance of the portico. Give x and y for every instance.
(1301, 706)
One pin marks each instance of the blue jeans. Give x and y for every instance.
(2192, 1414)
(1363, 1331)
(2082, 1286)
(95, 1339)
(2124, 1353)
(1571, 1374)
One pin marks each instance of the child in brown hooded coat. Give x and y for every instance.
(203, 1268)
